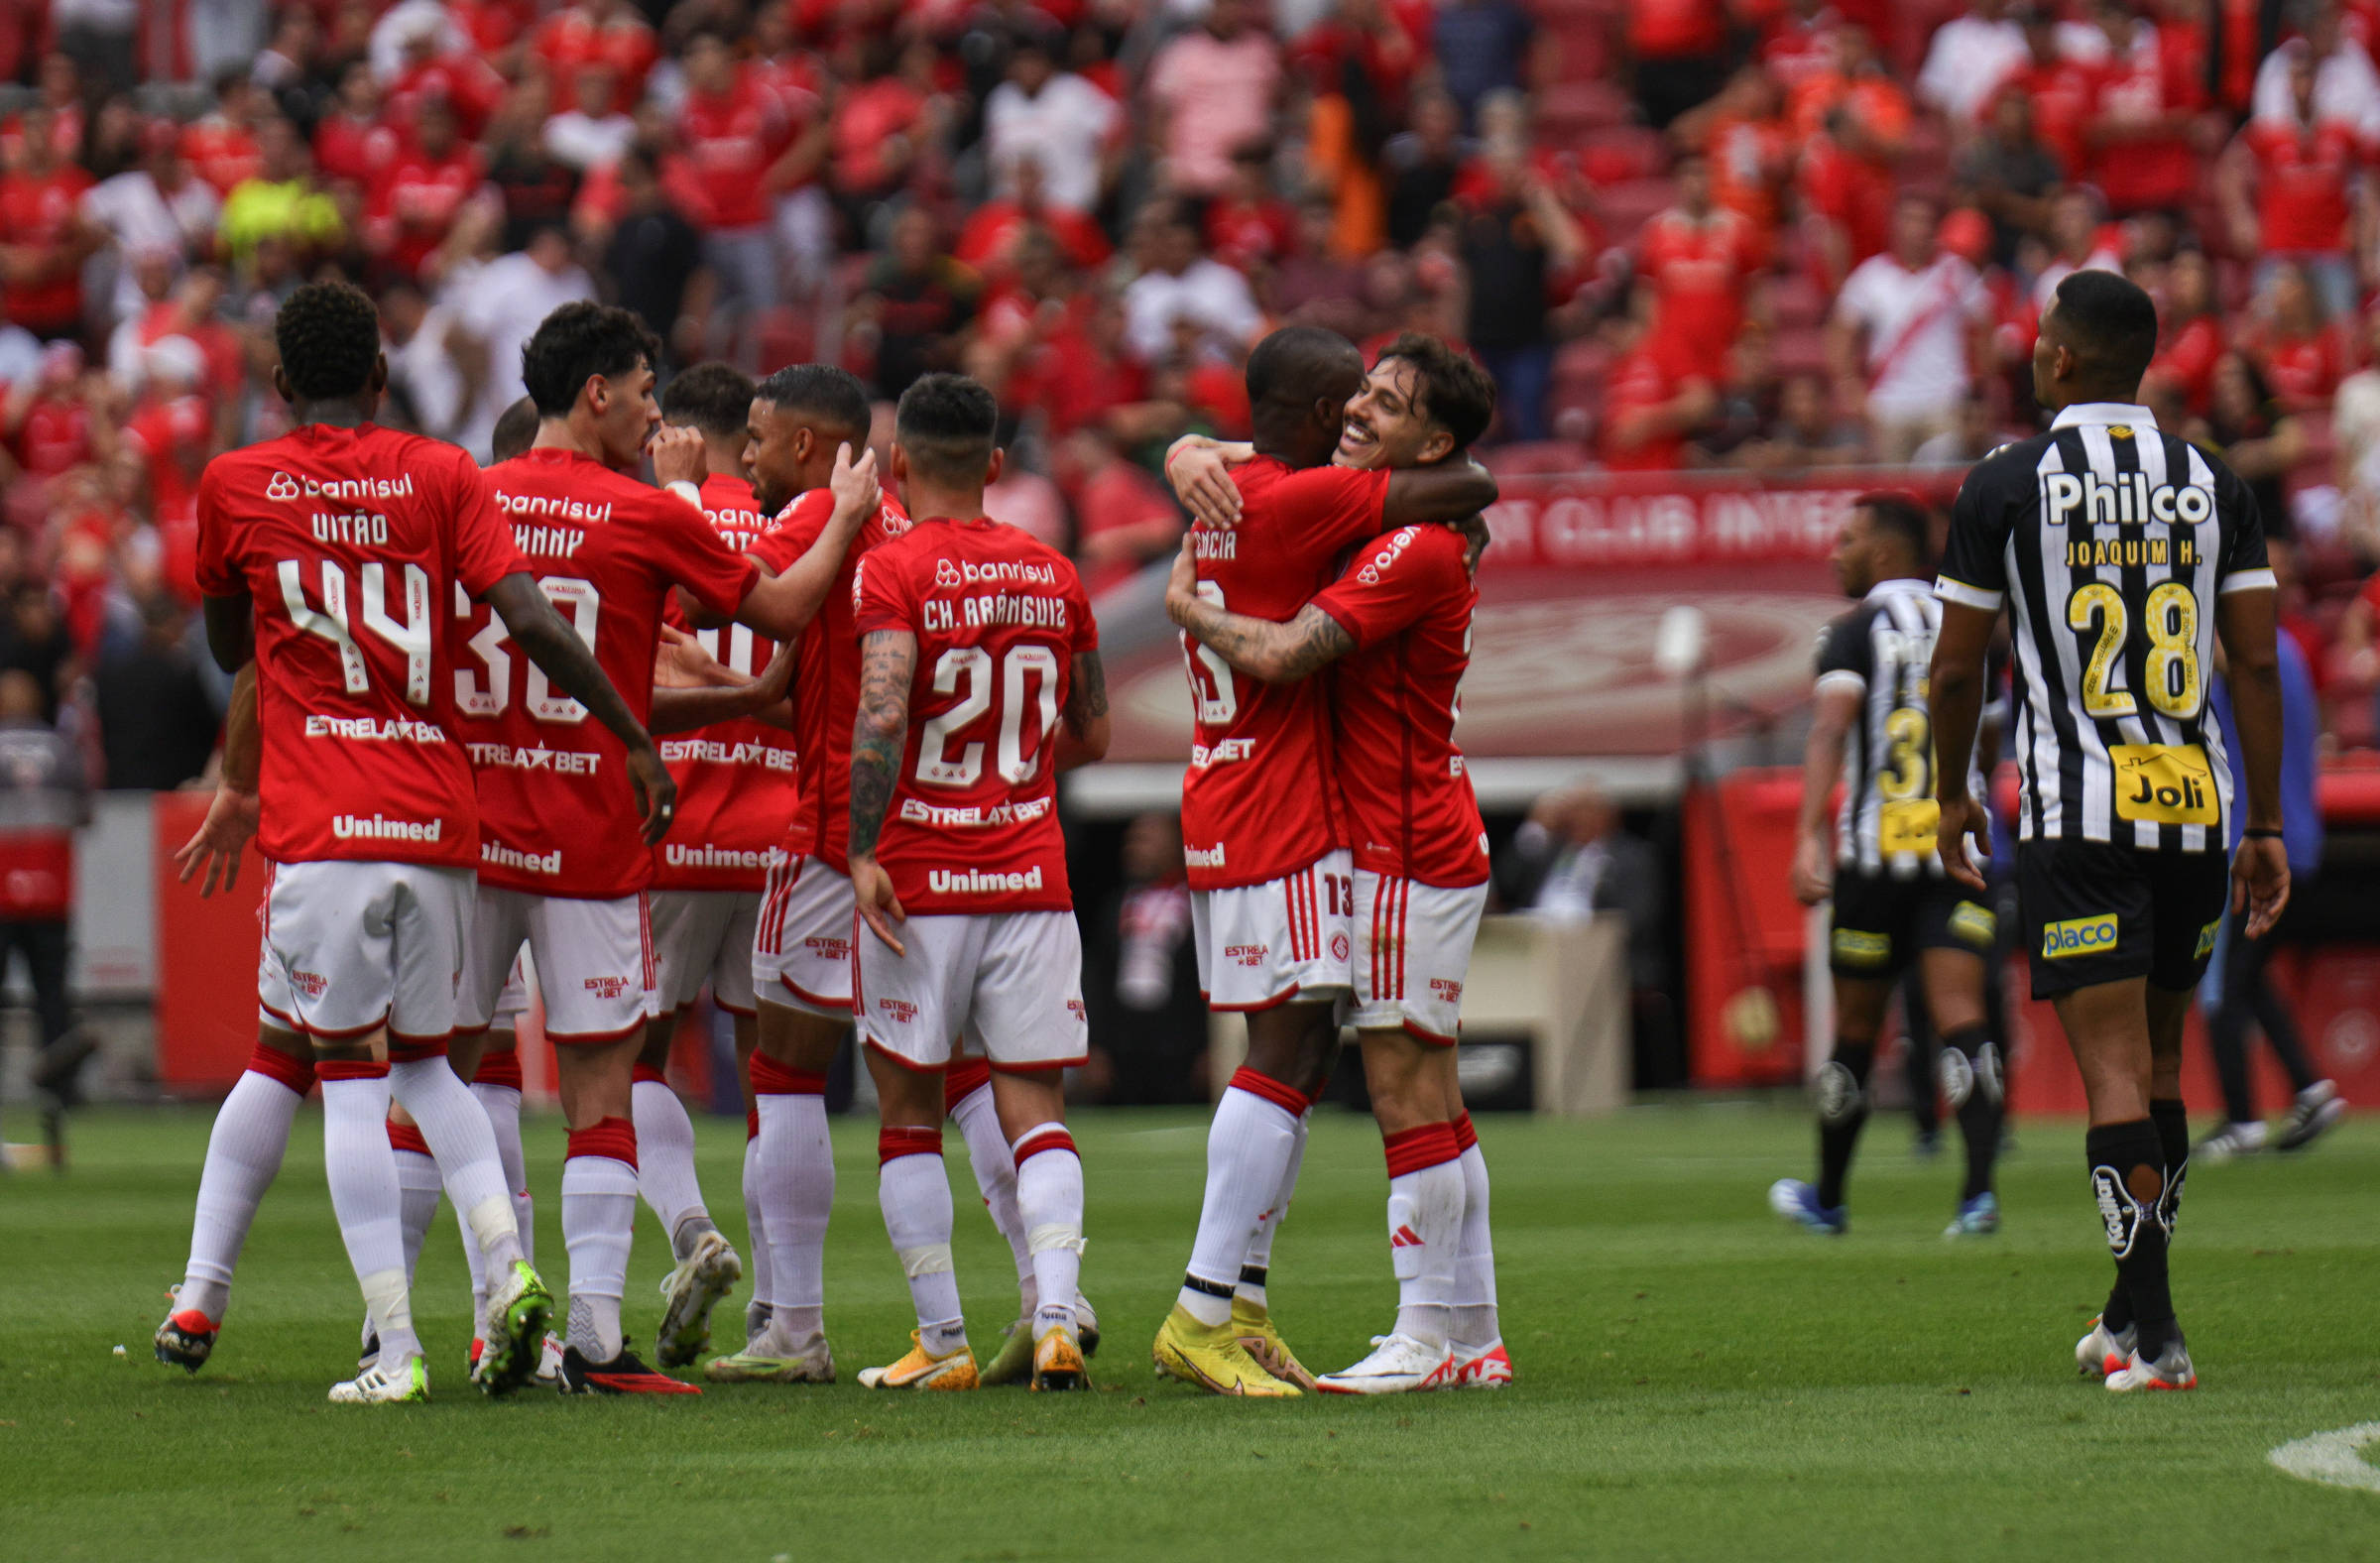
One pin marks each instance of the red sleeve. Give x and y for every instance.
(484, 552)
(879, 595)
(799, 527)
(1078, 608)
(1325, 511)
(219, 575)
(1391, 586)
(690, 555)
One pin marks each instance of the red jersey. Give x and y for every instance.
(416, 201)
(2301, 185)
(2063, 93)
(1700, 273)
(2156, 171)
(221, 152)
(570, 39)
(730, 142)
(55, 435)
(1407, 603)
(347, 541)
(37, 213)
(557, 817)
(735, 779)
(826, 673)
(1251, 810)
(999, 616)
(1645, 378)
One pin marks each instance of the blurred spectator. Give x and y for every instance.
(1806, 431)
(1679, 49)
(1422, 164)
(917, 300)
(1905, 338)
(157, 209)
(2299, 351)
(1571, 859)
(33, 642)
(44, 238)
(655, 255)
(593, 132)
(437, 367)
(222, 145)
(1853, 123)
(2290, 188)
(1701, 261)
(1148, 1023)
(1968, 58)
(2190, 330)
(1053, 119)
(97, 36)
(156, 715)
(417, 195)
(1653, 399)
(998, 226)
(1745, 139)
(1213, 91)
(1483, 47)
(1128, 519)
(734, 133)
(2060, 85)
(1178, 282)
(2151, 90)
(2346, 86)
(1518, 242)
(280, 202)
(45, 797)
(501, 301)
(2010, 175)
(1967, 442)
(2254, 436)
(2078, 242)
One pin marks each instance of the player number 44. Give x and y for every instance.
(410, 636)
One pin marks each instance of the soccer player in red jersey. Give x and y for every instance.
(1272, 885)
(325, 558)
(561, 865)
(980, 682)
(1396, 631)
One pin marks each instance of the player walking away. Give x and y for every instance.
(980, 682)
(1893, 905)
(562, 867)
(2123, 552)
(1272, 892)
(1395, 630)
(325, 556)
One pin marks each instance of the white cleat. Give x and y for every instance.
(2102, 1350)
(2171, 1371)
(549, 1364)
(407, 1384)
(1398, 1364)
(1487, 1366)
(689, 1293)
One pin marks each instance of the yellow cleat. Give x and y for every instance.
(918, 1371)
(1261, 1339)
(1213, 1358)
(1058, 1362)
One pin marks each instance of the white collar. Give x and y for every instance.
(2104, 413)
(1896, 586)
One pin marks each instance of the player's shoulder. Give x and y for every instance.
(2009, 469)
(1429, 554)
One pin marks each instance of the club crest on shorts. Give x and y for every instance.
(1339, 949)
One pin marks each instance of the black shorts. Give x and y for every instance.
(1881, 922)
(2095, 913)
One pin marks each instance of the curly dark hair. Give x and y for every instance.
(1456, 392)
(946, 424)
(328, 334)
(576, 343)
(714, 398)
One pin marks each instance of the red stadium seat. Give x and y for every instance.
(1800, 351)
(1572, 109)
(1796, 301)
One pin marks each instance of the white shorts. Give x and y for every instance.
(512, 1001)
(1013, 981)
(704, 936)
(1412, 951)
(349, 947)
(801, 945)
(1259, 945)
(593, 961)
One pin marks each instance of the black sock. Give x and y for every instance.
(1841, 1111)
(1970, 1077)
(2173, 1132)
(2127, 1180)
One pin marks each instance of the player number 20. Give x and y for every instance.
(967, 671)
(2175, 687)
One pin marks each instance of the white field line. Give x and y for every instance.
(2333, 1458)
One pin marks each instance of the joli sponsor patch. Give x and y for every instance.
(2164, 785)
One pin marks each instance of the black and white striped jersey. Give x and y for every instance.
(2110, 540)
(1882, 649)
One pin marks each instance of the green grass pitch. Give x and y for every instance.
(1695, 1380)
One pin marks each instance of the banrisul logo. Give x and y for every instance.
(2079, 936)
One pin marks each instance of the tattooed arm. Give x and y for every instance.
(879, 738)
(1082, 735)
(1274, 652)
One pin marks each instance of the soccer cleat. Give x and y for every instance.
(1086, 1325)
(2318, 1107)
(2229, 1141)
(625, 1374)
(919, 1371)
(187, 1338)
(755, 1319)
(1398, 1364)
(812, 1364)
(479, 1345)
(1797, 1202)
(1058, 1362)
(1487, 1369)
(408, 1385)
(1212, 1358)
(512, 1336)
(2103, 1350)
(1978, 1217)
(549, 1364)
(1262, 1339)
(2171, 1371)
(689, 1293)
(1013, 1362)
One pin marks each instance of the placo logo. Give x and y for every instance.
(1854, 948)
(2079, 936)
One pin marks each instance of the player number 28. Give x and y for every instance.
(2175, 687)
(966, 671)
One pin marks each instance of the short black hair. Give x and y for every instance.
(714, 398)
(2111, 324)
(328, 334)
(1456, 392)
(946, 426)
(516, 430)
(576, 343)
(1903, 518)
(834, 394)
(1292, 364)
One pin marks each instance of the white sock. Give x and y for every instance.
(1474, 1326)
(1249, 1150)
(599, 1214)
(243, 1156)
(362, 1172)
(666, 1164)
(502, 1104)
(756, 1221)
(796, 1195)
(1253, 1273)
(995, 1165)
(1425, 1226)
(464, 1142)
(417, 1186)
(914, 1193)
(1049, 1193)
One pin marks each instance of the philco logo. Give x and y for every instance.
(2128, 499)
(607, 988)
(2079, 936)
(946, 573)
(900, 1008)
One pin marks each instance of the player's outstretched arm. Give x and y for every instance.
(1261, 648)
(1838, 706)
(880, 735)
(1447, 492)
(570, 663)
(691, 688)
(1082, 735)
(782, 606)
(2246, 620)
(231, 820)
(1955, 694)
